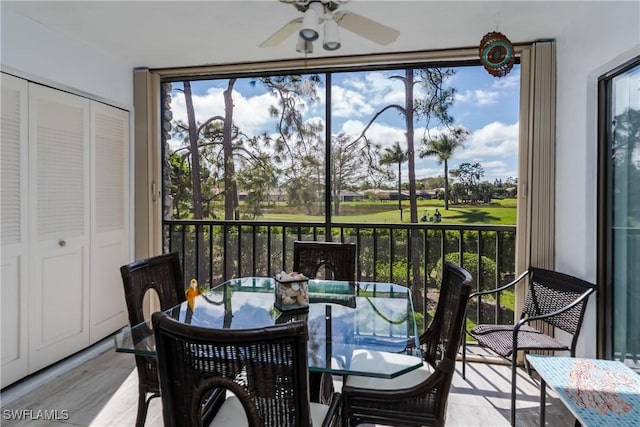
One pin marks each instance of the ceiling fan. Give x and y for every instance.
(325, 13)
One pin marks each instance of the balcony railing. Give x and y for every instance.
(409, 254)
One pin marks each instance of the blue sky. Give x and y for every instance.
(486, 105)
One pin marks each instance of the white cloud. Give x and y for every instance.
(508, 82)
(349, 103)
(426, 172)
(493, 141)
(363, 94)
(377, 133)
(498, 169)
(353, 81)
(384, 90)
(478, 97)
(250, 114)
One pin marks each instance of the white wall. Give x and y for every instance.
(34, 52)
(604, 38)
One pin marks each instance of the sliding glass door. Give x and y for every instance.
(619, 248)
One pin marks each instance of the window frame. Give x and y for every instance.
(605, 305)
(536, 175)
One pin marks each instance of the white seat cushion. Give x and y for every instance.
(318, 412)
(231, 414)
(371, 360)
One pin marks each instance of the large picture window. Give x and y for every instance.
(432, 143)
(415, 158)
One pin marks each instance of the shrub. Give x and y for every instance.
(469, 263)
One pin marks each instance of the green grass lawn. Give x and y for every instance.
(499, 212)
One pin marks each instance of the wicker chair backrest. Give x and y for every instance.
(269, 363)
(550, 291)
(337, 259)
(445, 329)
(162, 273)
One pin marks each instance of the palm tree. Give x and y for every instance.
(395, 154)
(443, 147)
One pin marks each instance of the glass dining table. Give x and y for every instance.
(346, 321)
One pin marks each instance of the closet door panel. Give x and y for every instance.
(109, 218)
(13, 234)
(58, 224)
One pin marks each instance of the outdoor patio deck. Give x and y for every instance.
(102, 391)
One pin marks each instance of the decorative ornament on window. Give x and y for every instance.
(496, 54)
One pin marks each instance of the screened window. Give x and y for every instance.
(369, 144)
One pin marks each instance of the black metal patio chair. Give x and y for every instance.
(554, 298)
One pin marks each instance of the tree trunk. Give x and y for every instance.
(400, 188)
(413, 200)
(414, 244)
(196, 177)
(230, 188)
(193, 151)
(446, 185)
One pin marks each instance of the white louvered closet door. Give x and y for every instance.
(109, 218)
(13, 211)
(59, 225)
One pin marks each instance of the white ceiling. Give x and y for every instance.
(159, 34)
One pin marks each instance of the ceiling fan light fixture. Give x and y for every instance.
(326, 13)
(304, 46)
(310, 22)
(331, 36)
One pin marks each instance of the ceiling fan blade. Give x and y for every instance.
(367, 28)
(282, 34)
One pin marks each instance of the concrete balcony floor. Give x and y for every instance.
(99, 388)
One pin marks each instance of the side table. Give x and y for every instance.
(597, 392)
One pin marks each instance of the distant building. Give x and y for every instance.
(277, 195)
(351, 196)
(426, 194)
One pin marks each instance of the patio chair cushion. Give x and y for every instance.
(369, 360)
(500, 340)
(231, 413)
(318, 413)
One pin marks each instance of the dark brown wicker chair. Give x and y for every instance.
(161, 273)
(324, 260)
(269, 364)
(419, 397)
(338, 260)
(555, 298)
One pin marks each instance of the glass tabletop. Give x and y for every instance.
(345, 320)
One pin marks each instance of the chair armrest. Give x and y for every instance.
(333, 417)
(552, 314)
(502, 288)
